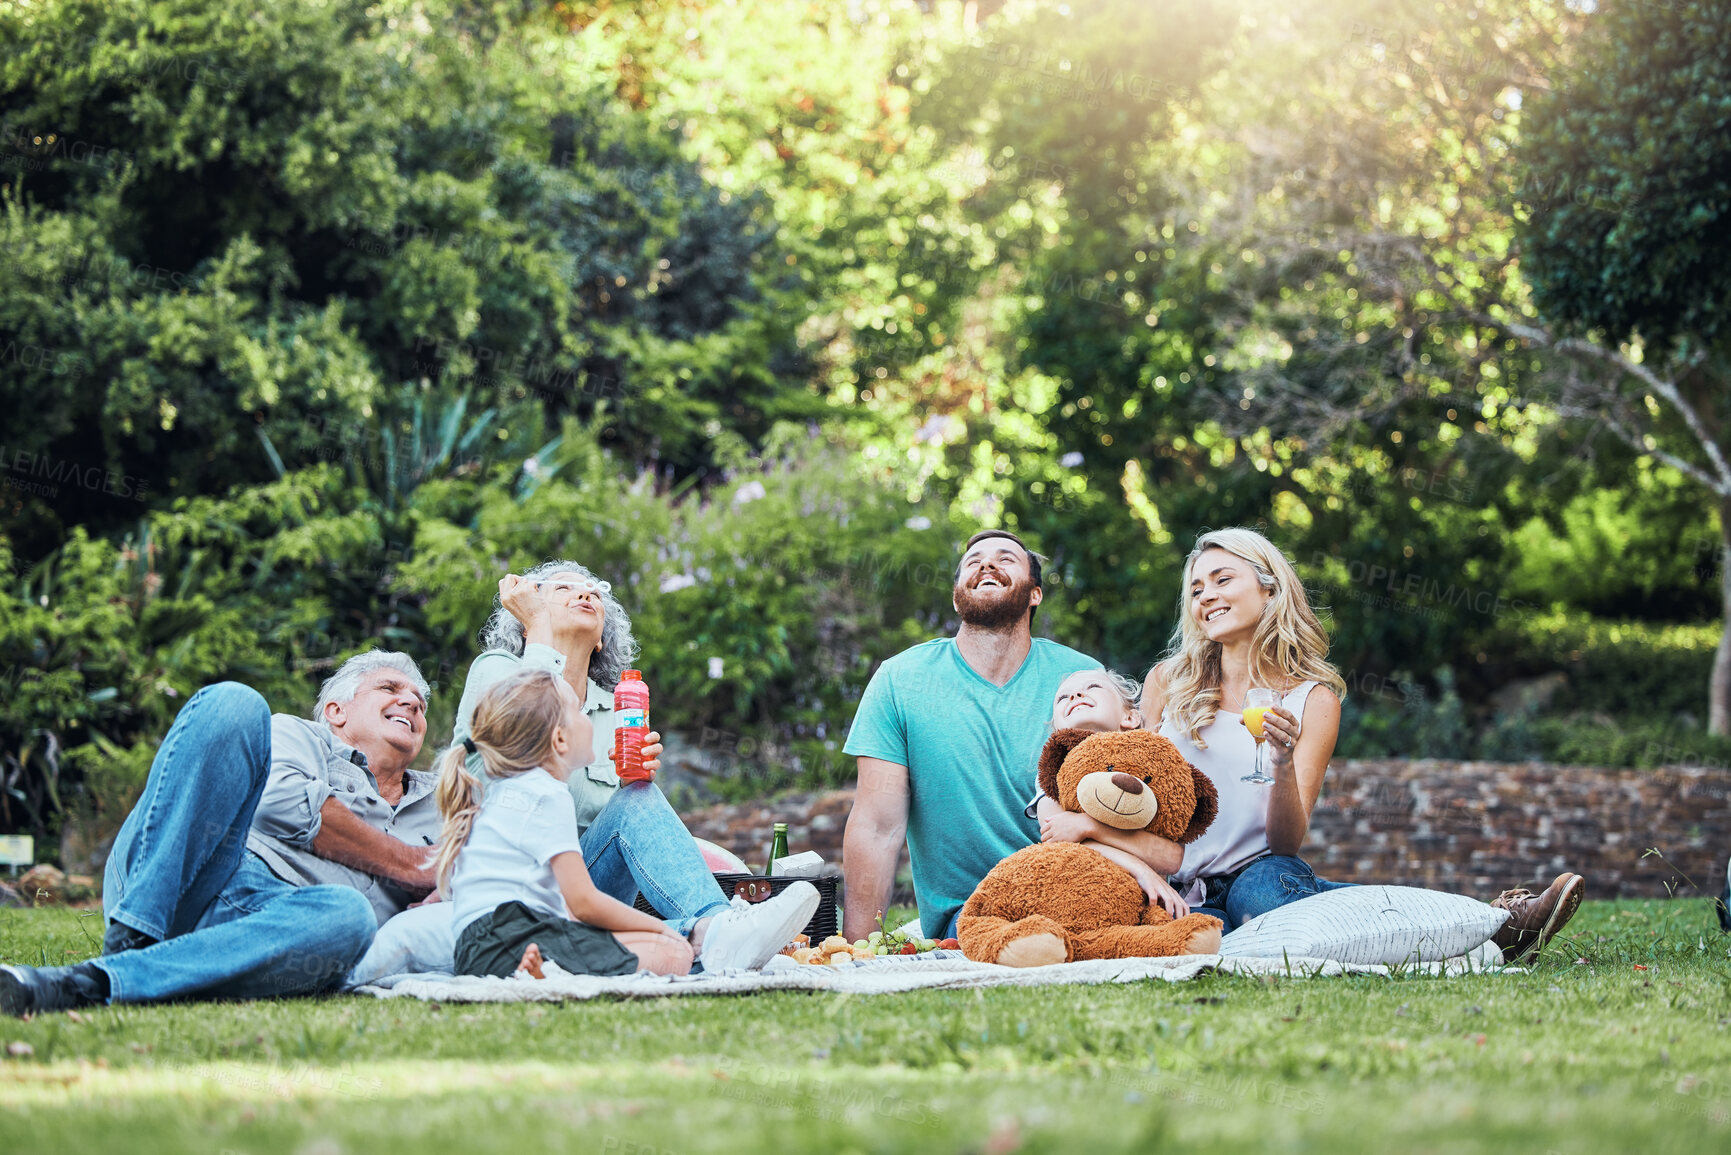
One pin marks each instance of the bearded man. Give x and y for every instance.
(948, 736)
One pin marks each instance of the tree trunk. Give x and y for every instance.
(1719, 688)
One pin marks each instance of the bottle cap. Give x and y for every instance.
(781, 826)
(631, 676)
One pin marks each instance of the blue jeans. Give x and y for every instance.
(1724, 904)
(637, 843)
(180, 872)
(1271, 881)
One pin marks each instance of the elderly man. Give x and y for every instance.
(948, 735)
(264, 850)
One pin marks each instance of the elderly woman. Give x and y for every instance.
(560, 617)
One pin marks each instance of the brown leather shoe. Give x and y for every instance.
(1533, 919)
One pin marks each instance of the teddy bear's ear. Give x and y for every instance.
(1058, 748)
(1207, 807)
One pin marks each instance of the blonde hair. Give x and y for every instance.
(1288, 647)
(512, 730)
(1128, 689)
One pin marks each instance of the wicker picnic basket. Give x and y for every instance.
(756, 888)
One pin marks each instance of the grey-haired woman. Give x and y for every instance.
(560, 617)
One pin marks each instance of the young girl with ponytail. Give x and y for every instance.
(509, 860)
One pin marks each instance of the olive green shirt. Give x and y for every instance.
(591, 787)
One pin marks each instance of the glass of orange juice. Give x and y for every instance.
(1257, 703)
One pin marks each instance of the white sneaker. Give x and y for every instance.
(750, 934)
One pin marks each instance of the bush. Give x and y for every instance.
(762, 603)
(1399, 718)
(1634, 695)
(1641, 670)
(223, 220)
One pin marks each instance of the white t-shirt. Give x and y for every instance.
(1239, 834)
(525, 821)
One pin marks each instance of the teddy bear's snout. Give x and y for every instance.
(1122, 801)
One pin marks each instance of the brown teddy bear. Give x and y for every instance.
(1061, 901)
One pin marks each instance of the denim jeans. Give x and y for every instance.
(1271, 881)
(180, 872)
(1724, 904)
(638, 843)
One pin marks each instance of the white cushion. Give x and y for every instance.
(417, 941)
(1385, 925)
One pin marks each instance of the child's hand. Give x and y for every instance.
(1066, 826)
(1160, 893)
(651, 759)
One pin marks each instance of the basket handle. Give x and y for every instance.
(752, 889)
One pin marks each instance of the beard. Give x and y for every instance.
(995, 609)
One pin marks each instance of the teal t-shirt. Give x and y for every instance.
(972, 751)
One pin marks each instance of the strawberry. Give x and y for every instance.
(909, 948)
(950, 944)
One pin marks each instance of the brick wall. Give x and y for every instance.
(1468, 827)
(1477, 827)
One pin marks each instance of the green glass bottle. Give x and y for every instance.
(777, 848)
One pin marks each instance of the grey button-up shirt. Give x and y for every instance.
(591, 787)
(308, 765)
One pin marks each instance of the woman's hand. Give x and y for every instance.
(523, 601)
(1066, 826)
(651, 759)
(1160, 893)
(1280, 731)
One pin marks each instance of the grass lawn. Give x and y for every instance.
(1627, 1051)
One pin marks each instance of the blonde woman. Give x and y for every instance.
(511, 863)
(1244, 622)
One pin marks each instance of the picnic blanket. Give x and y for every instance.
(935, 970)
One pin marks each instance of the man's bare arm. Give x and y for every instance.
(1162, 854)
(872, 845)
(346, 839)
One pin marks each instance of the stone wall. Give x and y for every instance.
(1478, 827)
(1469, 827)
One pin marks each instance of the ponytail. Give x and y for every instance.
(458, 795)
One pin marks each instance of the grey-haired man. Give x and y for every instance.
(264, 851)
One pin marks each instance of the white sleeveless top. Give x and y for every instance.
(1239, 834)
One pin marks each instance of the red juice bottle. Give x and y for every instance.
(630, 724)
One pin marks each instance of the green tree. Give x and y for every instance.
(1629, 250)
(281, 219)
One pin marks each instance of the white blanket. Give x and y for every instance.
(938, 970)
